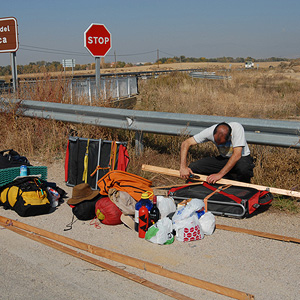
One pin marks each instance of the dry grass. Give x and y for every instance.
(252, 94)
(249, 94)
(44, 89)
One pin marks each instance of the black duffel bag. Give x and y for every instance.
(11, 159)
(225, 200)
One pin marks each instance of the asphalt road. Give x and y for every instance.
(265, 268)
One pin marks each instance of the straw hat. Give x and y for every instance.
(82, 192)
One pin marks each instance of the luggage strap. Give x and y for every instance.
(113, 155)
(99, 168)
(219, 189)
(112, 159)
(85, 162)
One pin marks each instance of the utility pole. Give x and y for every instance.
(157, 58)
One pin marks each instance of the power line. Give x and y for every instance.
(57, 51)
(53, 52)
(137, 53)
(167, 53)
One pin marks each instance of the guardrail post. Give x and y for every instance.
(128, 86)
(71, 91)
(89, 90)
(139, 147)
(118, 88)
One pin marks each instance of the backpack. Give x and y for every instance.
(85, 210)
(27, 196)
(12, 159)
(225, 200)
(133, 184)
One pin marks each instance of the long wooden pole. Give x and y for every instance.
(175, 173)
(259, 233)
(134, 262)
(97, 262)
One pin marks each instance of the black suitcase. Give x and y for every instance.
(224, 200)
(102, 157)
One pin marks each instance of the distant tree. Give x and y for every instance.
(249, 58)
(182, 58)
(121, 64)
(170, 61)
(5, 70)
(240, 59)
(162, 60)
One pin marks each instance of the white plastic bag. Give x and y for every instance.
(166, 205)
(208, 223)
(187, 211)
(160, 232)
(188, 229)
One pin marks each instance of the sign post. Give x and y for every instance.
(97, 40)
(68, 63)
(9, 43)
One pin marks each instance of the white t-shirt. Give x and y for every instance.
(237, 139)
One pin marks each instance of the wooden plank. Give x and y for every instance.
(176, 173)
(176, 185)
(134, 262)
(259, 233)
(97, 262)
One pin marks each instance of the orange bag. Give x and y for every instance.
(133, 184)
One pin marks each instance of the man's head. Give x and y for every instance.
(222, 133)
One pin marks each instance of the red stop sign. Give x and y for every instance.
(97, 39)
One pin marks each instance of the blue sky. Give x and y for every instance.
(53, 30)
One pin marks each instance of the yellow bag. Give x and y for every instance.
(26, 196)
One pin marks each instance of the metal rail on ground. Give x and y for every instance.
(208, 75)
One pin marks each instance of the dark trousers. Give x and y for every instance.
(242, 171)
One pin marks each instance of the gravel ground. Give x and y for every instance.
(265, 268)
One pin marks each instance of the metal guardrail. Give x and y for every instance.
(208, 75)
(84, 89)
(258, 131)
(112, 85)
(138, 74)
(110, 88)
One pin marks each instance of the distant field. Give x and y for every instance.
(210, 66)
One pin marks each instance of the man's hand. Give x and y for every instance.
(213, 178)
(186, 172)
(237, 154)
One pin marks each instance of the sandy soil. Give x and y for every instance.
(265, 268)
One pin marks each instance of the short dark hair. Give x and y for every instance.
(229, 129)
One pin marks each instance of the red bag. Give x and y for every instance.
(107, 212)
